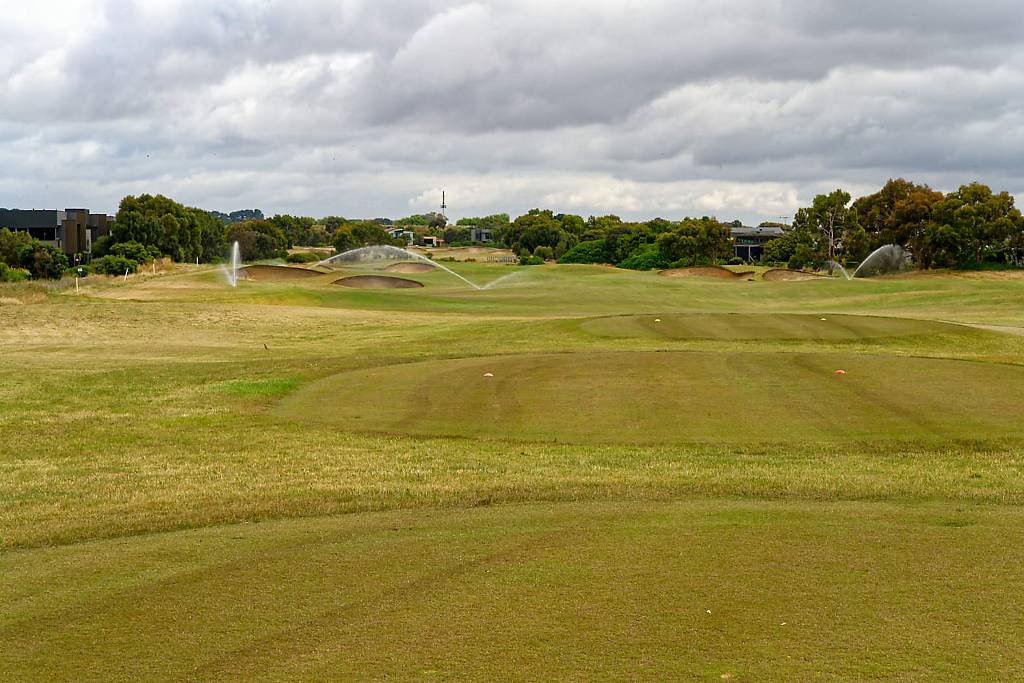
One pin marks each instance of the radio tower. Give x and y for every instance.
(443, 206)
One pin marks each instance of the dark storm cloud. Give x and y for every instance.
(363, 107)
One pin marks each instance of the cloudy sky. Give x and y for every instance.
(734, 108)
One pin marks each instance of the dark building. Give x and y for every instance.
(480, 234)
(73, 231)
(748, 243)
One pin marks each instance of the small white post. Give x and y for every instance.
(125, 275)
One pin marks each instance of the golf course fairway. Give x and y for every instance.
(578, 473)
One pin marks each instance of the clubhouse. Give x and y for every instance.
(748, 243)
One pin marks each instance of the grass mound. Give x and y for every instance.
(377, 282)
(675, 397)
(266, 273)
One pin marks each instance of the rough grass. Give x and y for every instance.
(141, 440)
(266, 387)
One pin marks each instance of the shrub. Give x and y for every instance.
(43, 260)
(703, 238)
(591, 251)
(11, 244)
(101, 246)
(303, 257)
(647, 257)
(114, 265)
(531, 261)
(798, 261)
(782, 249)
(134, 251)
(8, 274)
(544, 252)
(736, 261)
(690, 262)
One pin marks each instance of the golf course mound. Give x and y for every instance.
(377, 282)
(409, 268)
(718, 272)
(753, 326)
(784, 275)
(673, 397)
(265, 273)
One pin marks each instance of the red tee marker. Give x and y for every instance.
(840, 372)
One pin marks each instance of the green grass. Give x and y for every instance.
(675, 397)
(761, 327)
(266, 387)
(303, 481)
(629, 590)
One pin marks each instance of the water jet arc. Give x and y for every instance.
(381, 252)
(890, 258)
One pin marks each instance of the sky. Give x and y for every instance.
(732, 108)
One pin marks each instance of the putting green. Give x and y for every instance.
(674, 397)
(689, 590)
(743, 326)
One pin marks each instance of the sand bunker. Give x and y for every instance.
(377, 282)
(783, 275)
(276, 273)
(707, 271)
(409, 268)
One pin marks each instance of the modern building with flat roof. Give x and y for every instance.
(73, 231)
(748, 243)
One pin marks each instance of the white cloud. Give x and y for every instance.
(733, 107)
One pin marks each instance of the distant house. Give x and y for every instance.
(431, 241)
(480, 234)
(73, 231)
(401, 233)
(748, 243)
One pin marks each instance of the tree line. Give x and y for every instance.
(969, 227)
(966, 228)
